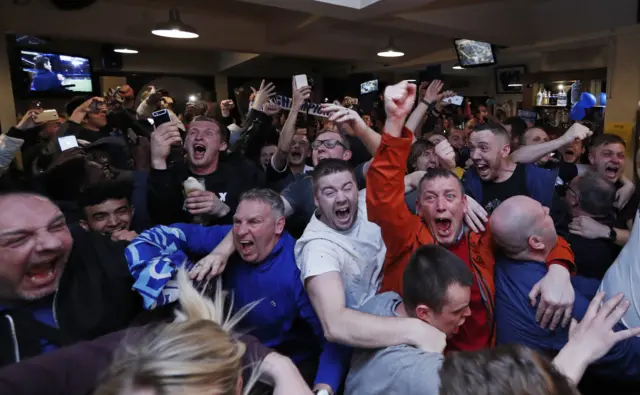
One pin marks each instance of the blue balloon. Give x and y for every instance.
(577, 112)
(603, 99)
(587, 100)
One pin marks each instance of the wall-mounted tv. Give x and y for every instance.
(53, 73)
(474, 53)
(368, 87)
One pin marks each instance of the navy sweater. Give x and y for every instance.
(516, 324)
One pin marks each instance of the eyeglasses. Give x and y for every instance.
(328, 144)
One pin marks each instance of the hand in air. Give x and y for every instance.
(262, 95)
(398, 103)
(446, 155)
(205, 202)
(577, 131)
(342, 115)
(432, 91)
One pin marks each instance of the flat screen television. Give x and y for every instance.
(474, 53)
(368, 87)
(53, 73)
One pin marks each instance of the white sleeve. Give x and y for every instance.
(318, 257)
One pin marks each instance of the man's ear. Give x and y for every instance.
(465, 203)
(347, 155)
(592, 158)
(280, 222)
(536, 242)
(506, 150)
(424, 313)
(223, 146)
(84, 225)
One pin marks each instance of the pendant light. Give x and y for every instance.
(390, 51)
(174, 28)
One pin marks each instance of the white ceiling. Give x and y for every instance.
(345, 34)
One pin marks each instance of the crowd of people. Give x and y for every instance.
(417, 249)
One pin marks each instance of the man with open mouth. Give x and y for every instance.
(262, 273)
(224, 177)
(607, 157)
(441, 209)
(57, 286)
(288, 164)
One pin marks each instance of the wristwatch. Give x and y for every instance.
(612, 234)
(322, 392)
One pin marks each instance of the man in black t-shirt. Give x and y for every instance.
(224, 177)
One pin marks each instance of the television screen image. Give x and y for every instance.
(50, 72)
(474, 53)
(368, 87)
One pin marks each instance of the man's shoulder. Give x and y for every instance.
(382, 304)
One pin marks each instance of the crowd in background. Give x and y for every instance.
(420, 248)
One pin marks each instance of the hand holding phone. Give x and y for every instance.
(301, 81)
(456, 100)
(46, 116)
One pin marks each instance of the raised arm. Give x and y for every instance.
(533, 153)
(385, 178)
(279, 160)
(355, 125)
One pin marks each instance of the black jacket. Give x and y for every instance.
(94, 298)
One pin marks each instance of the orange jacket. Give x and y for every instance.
(403, 232)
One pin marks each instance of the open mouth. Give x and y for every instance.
(343, 214)
(443, 226)
(199, 150)
(246, 246)
(42, 274)
(296, 155)
(611, 172)
(483, 169)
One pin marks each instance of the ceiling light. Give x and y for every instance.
(390, 51)
(560, 87)
(174, 28)
(457, 67)
(125, 50)
(515, 85)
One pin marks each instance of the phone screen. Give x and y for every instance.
(67, 142)
(160, 117)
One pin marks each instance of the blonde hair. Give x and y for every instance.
(194, 354)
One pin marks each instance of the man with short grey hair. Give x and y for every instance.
(262, 272)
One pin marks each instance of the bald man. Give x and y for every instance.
(524, 232)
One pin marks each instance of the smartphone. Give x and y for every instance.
(67, 142)
(46, 116)
(301, 81)
(160, 117)
(457, 100)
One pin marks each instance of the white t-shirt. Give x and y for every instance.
(358, 254)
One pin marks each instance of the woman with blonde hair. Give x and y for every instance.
(195, 354)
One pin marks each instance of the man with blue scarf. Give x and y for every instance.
(263, 270)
